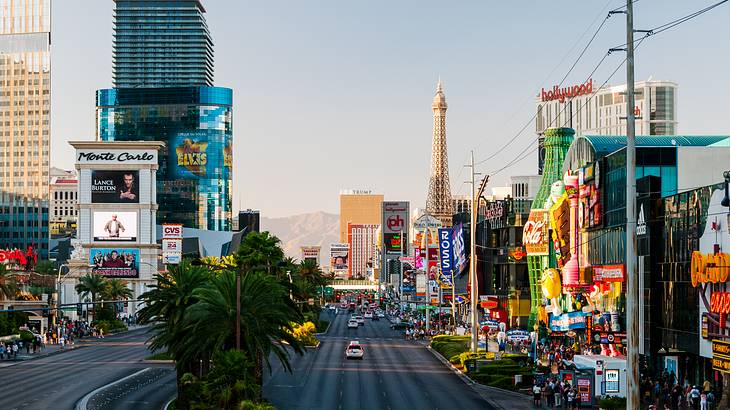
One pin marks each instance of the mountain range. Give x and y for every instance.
(311, 229)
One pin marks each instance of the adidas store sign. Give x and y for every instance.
(641, 223)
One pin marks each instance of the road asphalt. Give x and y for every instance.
(394, 374)
(59, 381)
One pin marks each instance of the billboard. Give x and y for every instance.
(457, 235)
(115, 187)
(115, 262)
(339, 256)
(115, 226)
(200, 154)
(310, 253)
(395, 218)
(446, 250)
(535, 233)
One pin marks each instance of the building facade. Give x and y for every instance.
(363, 242)
(248, 221)
(164, 43)
(63, 208)
(195, 180)
(358, 207)
(25, 106)
(593, 111)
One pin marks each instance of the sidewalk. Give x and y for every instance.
(497, 398)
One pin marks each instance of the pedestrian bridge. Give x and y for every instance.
(353, 285)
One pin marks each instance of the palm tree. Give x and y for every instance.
(8, 287)
(116, 290)
(260, 251)
(267, 314)
(91, 285)
(165, 307)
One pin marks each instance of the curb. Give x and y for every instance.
(81, 405)
(40, 356)
(469, 382)
(158, 361)
(169, 402)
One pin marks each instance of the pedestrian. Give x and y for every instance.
(703, 401)
(694, 398)
(550, 390)
(536, 393)
(559, 394)
(710, 400)
(15, 350)
(571, 398)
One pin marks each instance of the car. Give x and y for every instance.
(381, 315)
(368, 315)
(354, 350)
(401, 326)
(360, 319)
(352, 324)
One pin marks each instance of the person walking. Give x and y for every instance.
(536, 395)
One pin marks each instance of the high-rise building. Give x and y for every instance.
(25, 107)
(163, 94)
(63, 213)
(363, 241)
(439, 201)
(358, 207)
(249, 221)
(602, 111)
(162, 43)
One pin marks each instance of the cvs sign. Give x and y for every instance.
(172, 231)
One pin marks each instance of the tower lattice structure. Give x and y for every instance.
(439, 202)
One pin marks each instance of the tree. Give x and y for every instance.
(116, 289)
(91, 285)
(45, 267)
(266, 317)
(260, 251)
(8, 286)
(165, 306)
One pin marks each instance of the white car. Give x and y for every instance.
(352, 324)
(360, 319)
(368, 315)
(354, 350)
(381, 315)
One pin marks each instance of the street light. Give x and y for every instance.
(58, 287)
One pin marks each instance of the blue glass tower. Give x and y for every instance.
(161, 43)
(194, 182)
(163, 76)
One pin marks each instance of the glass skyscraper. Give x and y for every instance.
(161, 43)
(25, 103)
(194, 182)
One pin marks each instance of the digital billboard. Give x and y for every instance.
(339, 256)
(200, 154)
(114, 187)
(115, 226)
(115, 262)
(459, 255)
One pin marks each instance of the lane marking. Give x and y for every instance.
(81, 405)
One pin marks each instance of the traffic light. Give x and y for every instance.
(79, 309)
(46, 311)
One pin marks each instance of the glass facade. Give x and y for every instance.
(194, 182)
(164, 43)
(25, 102)
(662, 106)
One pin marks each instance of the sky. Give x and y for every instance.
(332, 94)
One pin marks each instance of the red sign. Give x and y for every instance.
(608, 273)
(561, 93)
(720, 303)
(535, 233)
(16, 256)
(172, 231)
(395, 223)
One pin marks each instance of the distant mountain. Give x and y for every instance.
(313, 229)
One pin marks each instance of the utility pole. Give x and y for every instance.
(475, 195)
(632, 297)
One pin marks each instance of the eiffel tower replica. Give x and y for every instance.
(439, 202)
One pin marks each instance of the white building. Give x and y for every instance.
(524, 186)
(604, 113)
(363, 241)
(62, 211)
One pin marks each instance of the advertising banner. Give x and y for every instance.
(310, 252)
(172, 245)
(172, 231)
(339, 256)
(560, 224)
(535, 233)
(115, 262)
(457, 235)
(395, 217)
(567, 321)
(200, 154)
(114, 187)
(115, 226)
(421, 284)
(433, 291)
(608, 273)
(446, 250)
(116, 156)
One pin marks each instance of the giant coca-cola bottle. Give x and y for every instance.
(557, 141)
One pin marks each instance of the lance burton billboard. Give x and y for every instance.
(113, 187)
(561, 94)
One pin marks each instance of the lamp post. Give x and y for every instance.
(58, 289)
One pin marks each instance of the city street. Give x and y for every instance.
(394, 374)
(59, 381)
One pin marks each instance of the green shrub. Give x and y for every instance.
(110, 326)
(27, 336)
(449, 346)
(304, 333)
(322, 325)
(612, 403)
(159, 356)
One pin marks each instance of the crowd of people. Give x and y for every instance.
(666, 392)
(555, 393)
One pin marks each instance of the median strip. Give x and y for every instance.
(84, 402)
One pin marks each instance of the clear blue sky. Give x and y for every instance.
(337, 94)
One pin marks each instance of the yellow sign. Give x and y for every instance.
(709, 268)
(192, 156)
